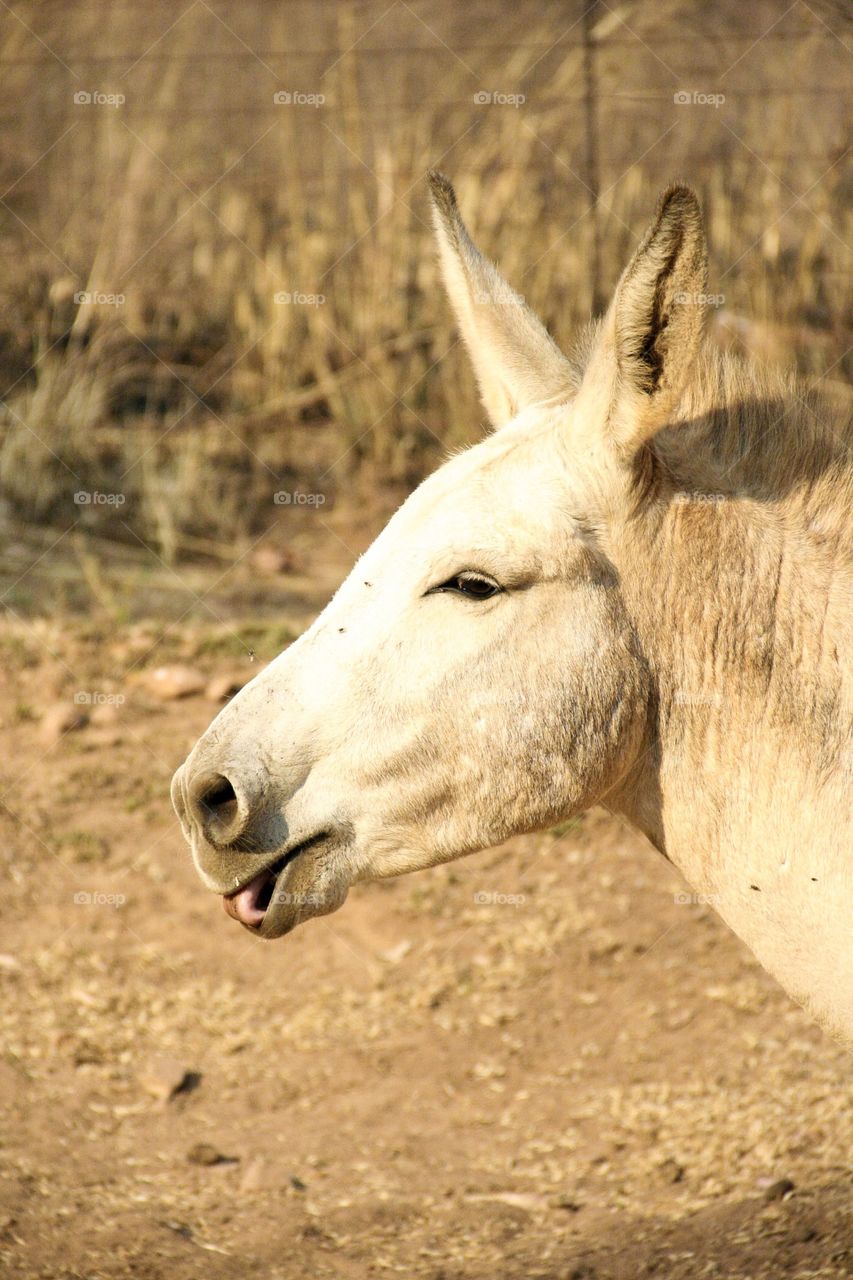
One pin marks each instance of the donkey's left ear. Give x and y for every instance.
(653, 328)
(516, 362)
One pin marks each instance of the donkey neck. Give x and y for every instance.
(738, 612)
(735, 575)
(744, 780)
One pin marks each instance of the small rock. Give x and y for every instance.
(62, 718)
(312, 1231)
(180, 1229)
(566, 1202)
(164, 1077)
(779, 1190)
(204, 1154)
(297, 1183)
(175, 681)
(223, 687)
(526, 1201)
(256, 1176)
(398, 952)
(273, 560)
(671, 1171)
(86, 1054)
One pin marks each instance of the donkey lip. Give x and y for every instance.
(249, 904)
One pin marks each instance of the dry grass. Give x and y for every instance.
(200, 201)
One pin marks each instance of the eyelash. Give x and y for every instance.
(460, 581)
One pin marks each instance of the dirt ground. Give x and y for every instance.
(547, 1062)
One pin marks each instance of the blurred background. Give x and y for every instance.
(225, 356)
(218, 280)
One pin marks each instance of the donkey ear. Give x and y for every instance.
(516, 362)
(654, 325)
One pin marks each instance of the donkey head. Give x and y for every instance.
(477, 674)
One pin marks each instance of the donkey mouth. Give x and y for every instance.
(250, 904)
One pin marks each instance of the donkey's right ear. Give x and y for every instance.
(516, 362)
(652, 331)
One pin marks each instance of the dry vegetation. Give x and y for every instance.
(199, 200)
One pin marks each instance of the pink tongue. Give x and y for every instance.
(245, 904)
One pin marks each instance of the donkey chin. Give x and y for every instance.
(309, 879)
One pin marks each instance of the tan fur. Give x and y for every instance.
(671, 532)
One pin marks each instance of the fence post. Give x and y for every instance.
(593, 181)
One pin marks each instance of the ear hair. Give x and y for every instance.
(657, 316)
(516, 362)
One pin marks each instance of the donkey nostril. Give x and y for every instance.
(219, 810)
(219, 799)
(219, 794)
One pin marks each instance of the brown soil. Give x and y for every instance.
(579, 1076)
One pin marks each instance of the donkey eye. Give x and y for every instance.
(476, 586)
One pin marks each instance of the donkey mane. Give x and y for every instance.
(745, 431)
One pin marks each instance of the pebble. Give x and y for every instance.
(224, 686)
(62, 718)
(171, 682)
(273, 560)
(779, 1190)
(671, 1171)
(256, 1176)
(527, 1201)
(398, 952)
(204, 1154)
(566, 1202)
(164, 1077)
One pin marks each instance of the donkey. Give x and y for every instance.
(636, 592)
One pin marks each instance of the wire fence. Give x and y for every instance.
(261, 263)
(693, 43)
